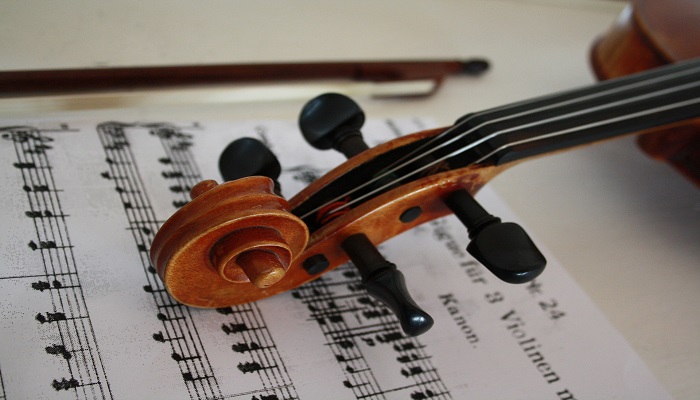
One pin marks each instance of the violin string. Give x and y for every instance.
(667, 107)
(613, 104)
(671, 74)
(532, 139)
(394, 167)
(474, 144)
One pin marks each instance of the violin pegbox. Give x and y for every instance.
(240, 241)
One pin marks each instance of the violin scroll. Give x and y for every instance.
(230, 240)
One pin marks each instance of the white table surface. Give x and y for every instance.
(626, 227)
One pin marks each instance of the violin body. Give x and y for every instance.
(650, 34)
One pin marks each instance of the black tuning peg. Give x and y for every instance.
(386, 283)
(333, 120)
(249, 157)
(504, 248)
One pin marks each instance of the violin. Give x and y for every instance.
(240, 241)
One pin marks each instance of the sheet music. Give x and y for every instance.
(85, 316)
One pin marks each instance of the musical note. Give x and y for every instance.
(159, 337)
(38, 214)
(65, 384)
(41, 286)
(350, 274)
(244, 347)
(188, 377)
(372, 314)
(179, 203)
(249, 366)
(422, 395)
(58, 349)
(171, 174)
(177, 357)
(265, 397)
(163, 317)
(225, 310)
(233, 328)
(390, 337)
(117, 145)
(407, 358)
(49, 244)
(24, 165)
(162, 133)
(51, 317)
(36, 188)
(179, 189)
(337, 318)
(411, 371)
(182, 146)
(404, 346)
(150, 289)
(365, 300)
(355, 287)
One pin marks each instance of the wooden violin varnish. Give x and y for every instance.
(650, 34)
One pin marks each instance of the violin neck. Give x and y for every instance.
(639, 102)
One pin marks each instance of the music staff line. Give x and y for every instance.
(53, 231)
(56, 252)
(139, 211)
(123, 171)
(179, 155)
(324, 302)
